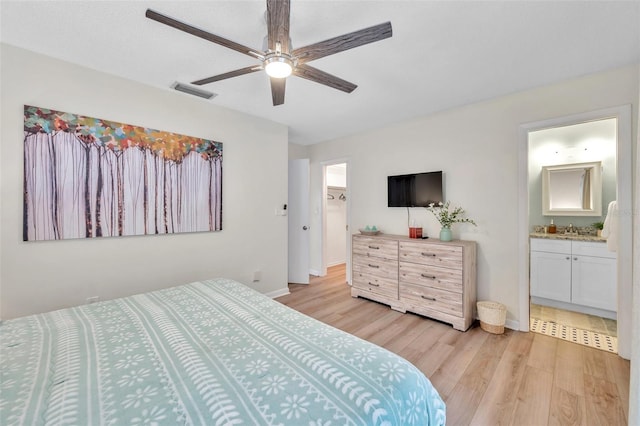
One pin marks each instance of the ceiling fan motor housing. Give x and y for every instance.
(278, 65)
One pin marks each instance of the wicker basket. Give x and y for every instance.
(492, 316)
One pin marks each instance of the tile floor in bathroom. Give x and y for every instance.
(575, 319)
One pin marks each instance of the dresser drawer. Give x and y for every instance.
(379, 267)
(375, 247)
(414, 297)
(447, 256)
(378, 285)
(431, 276)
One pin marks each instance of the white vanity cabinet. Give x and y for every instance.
(551, 269)
(593, 274)
(575, 275)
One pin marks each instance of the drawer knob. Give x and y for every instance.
(373, 266)
(375, 285)
(374, 247)
(433, 299)
(428, 254)
(431, 277)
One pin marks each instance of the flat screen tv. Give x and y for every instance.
(415, 190)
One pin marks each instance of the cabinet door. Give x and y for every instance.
(594, 282)
(551, 276)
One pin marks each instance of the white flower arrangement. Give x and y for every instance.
(446, 217)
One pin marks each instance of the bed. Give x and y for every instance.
(212, 352)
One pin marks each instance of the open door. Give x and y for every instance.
(336, 233)
(299, 221)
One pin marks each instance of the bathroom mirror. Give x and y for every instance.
(572, 189)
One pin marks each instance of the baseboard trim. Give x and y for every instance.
(314, 272)
(278, 293)
(512, 324)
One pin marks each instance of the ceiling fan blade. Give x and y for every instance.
(278, 24)
(343, 42)
(241, 71)
(314, 74)
(163, 19)
(277, 90)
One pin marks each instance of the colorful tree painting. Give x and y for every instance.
(87, 177)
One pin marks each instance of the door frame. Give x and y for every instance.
(323, 233)
(624, 190)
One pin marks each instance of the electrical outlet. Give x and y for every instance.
(93, 299)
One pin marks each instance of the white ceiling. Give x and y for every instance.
(442, 54)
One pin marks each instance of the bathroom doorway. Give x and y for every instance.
(600, 136)
(557, 309)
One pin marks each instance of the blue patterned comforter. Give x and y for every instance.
(208, 353)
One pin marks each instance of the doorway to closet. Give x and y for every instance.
(336, 237)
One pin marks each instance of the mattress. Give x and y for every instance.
(213, 352)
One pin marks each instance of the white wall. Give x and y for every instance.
(41, 276)
(477, 148)
(337, 175)
(297, 152)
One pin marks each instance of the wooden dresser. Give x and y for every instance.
(429, 277)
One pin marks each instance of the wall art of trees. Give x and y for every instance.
(88, 177)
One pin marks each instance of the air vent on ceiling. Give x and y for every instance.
(195, 91)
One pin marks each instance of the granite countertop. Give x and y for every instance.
(574, 237)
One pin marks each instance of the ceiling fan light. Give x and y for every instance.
(278, 67)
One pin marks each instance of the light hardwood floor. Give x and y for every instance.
(511, 379)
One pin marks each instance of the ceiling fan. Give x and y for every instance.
(280, 60)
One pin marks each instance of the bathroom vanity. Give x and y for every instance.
(573, 272)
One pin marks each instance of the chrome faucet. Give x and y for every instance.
(570, 229)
